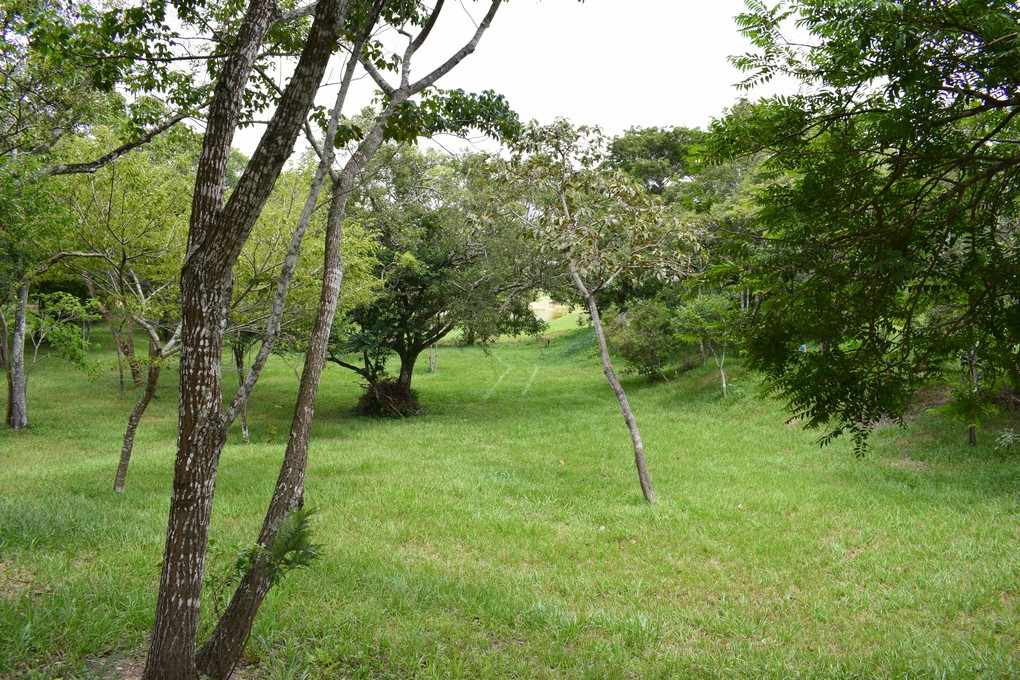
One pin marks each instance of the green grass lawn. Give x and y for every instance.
(503, 534)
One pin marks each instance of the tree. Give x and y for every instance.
(661, 327)
(131, 214)
(710, 320)
(399, 118)
(219, 227)
(888, 240)
(659, 158)
(439, 268)
(644, 334)
(599, 226)
(63, 66)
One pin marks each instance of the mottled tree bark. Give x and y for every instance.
(221, 653)
(17, 378)
(152, 379)
(614, 382)
(216, 235)
(224, 648)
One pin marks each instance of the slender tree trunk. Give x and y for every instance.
(120, 375)
(17, 378)
(241, 377)
(4, 339)
(720, 362)
(126, 342)
(137, 412)
(433, 358)
(217, 233)
(973, 378)
(5, 361)
(221, 652)
(614, 382)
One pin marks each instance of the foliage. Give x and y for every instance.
(660, 158)
(1007, 440)
(676, 330)
(576, 209)
(290, 549)
(131, 216)
(708, 319)
(439, 268)
(887, 238)
(59, 321)
(451, 111)
(645, 336)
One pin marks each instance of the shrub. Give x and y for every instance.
(388, 398)
(645, 336)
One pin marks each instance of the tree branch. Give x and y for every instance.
(460, 54)
(427, 27)
(92, 166)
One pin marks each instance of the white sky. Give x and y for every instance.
(613, 63)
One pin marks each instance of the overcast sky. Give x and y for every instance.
(614, 63)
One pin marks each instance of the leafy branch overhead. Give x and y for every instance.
(888, 248)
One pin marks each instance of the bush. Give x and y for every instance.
(388, 398)
(645, 336)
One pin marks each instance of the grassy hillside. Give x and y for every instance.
(503, 533)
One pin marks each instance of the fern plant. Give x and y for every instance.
(291, 548)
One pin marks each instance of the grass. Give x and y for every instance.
(503, 533)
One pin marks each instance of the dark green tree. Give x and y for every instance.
(440, 269)
(889, 247)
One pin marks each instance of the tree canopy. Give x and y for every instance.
(888, 221)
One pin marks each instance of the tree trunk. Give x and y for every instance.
(407, 362)
(200, 440)
(433, 358)
(220, 654)
(120, 375)
(720, 362)
(17, 378)
(614, 382)
(216, 235)
(241, 377)
(972, 376)
(4, 339)
(136, 416)
(126, 342)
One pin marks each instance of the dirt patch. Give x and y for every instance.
(121, 668)
(910, 464)
(131, 666)
(14, 582)
(930, 397)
